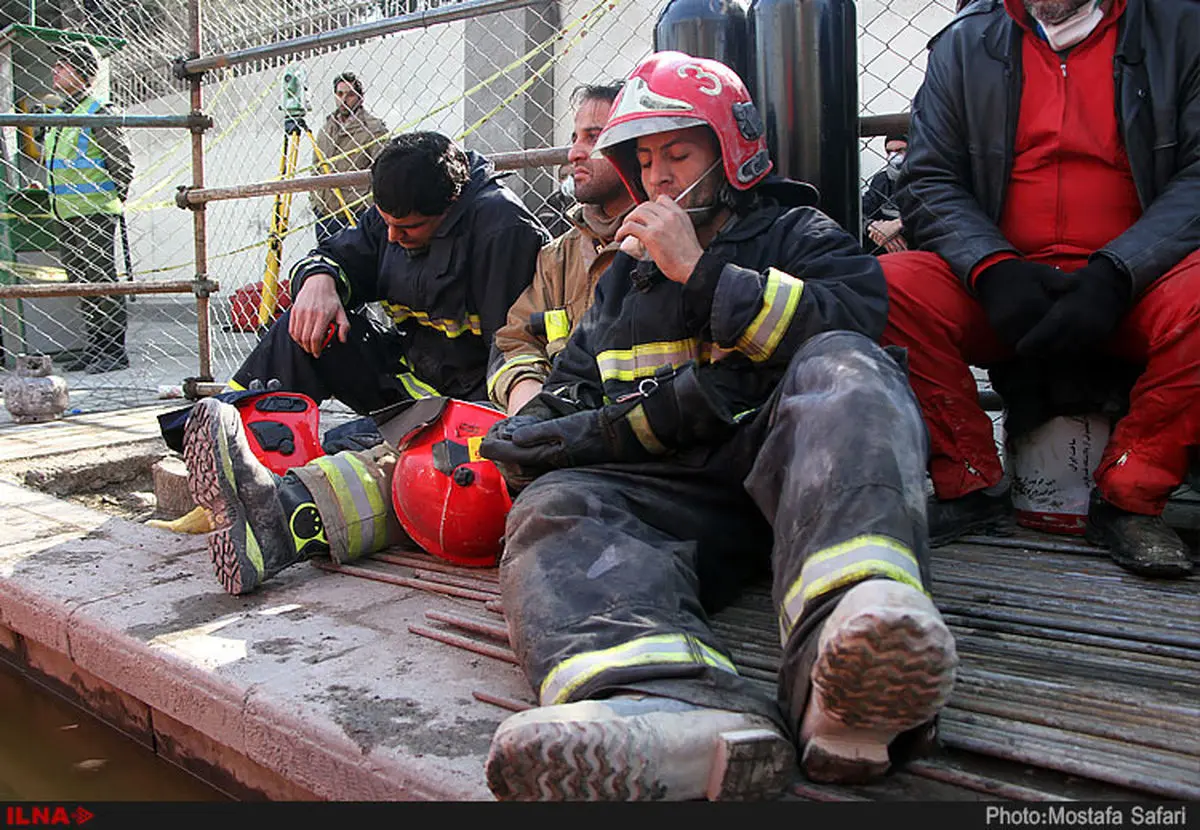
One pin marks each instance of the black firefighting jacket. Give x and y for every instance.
(446, 301)
(702, 356)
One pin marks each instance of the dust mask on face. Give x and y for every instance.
(1074, 29)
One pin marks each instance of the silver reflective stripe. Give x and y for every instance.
(658, 649)
(644, 359)
(354, 501)
(844, 564)
(780, 297)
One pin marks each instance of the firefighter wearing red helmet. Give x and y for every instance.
(723, 410)
(426, 483)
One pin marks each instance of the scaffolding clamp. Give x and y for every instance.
(198, 122)
(203, 287)
(181, 197)
(179, 67)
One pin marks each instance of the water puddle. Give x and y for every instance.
(52, 751)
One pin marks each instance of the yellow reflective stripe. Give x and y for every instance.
(346, 501)
(253, 551)
(640, 425)
(844, 564)
(780, 297)
(558, 325)
(234, 386)
(450, 328)
(374, 498)
(415, 387)
(515, 363)
(573, 672)
(644, 359)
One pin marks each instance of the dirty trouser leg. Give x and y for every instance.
(602, 577)
(945, 331)
(1147, 456)
(840, 476)
(87, 253)
(361, 373)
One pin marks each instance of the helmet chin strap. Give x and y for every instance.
(700, 215)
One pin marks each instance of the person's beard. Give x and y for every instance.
(1053, 11)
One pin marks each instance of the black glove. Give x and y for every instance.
(525, 446)
(1091, 303)
(498, 447)
(1014, 297)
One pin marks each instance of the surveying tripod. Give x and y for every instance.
(294, 126)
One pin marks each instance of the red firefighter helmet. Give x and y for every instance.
(451, 501)
(283, 429)
(674, 91)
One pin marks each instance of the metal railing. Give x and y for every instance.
(495, 74)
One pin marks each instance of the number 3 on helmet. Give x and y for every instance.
(451, 501)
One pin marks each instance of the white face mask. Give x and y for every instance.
(1074, 29)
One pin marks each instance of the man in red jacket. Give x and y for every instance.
(1052, 189)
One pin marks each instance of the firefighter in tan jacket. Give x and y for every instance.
(349, 140)
(567, 268)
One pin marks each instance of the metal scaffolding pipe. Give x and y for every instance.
(199, 217)
(99, 289)
(511, 160)
(191, 197)
(192, 121)
(363, 31)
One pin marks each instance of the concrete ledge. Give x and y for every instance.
(310, 688)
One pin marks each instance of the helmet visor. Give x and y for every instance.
(638, 127)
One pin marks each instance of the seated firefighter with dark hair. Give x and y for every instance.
(446, 250)
(1059, 233)
(721, 412)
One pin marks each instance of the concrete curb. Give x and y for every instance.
(314, 681)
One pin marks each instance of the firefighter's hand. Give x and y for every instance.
(315, 307)
(498, 447)
(666, 232)
(886, 234)
(1090, 305)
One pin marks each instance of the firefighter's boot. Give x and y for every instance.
(1145, 545)
(977, 512)
(265, 522)
(885, 664)
(637, 748)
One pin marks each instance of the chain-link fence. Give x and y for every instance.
(498, 81)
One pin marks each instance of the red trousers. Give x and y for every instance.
(946, 331)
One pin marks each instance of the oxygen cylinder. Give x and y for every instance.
(806, 87)
(715, 29)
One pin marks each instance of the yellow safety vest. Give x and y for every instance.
(80, 184)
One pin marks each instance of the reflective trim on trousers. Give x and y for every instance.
(844, 564)
(360, 502)
(663, 649)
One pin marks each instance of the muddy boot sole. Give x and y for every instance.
(651, 757)
(886, 664)
(212, 485)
